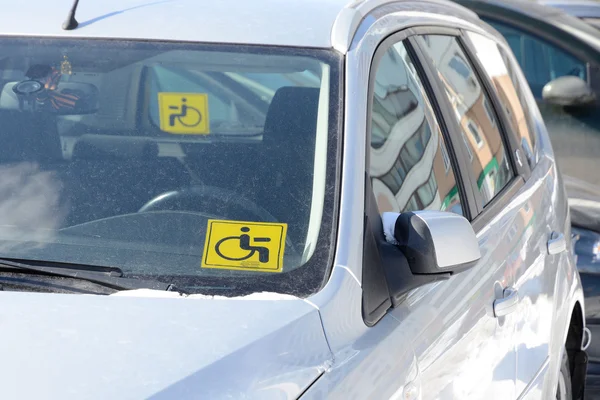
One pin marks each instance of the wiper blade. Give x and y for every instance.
(110, 277)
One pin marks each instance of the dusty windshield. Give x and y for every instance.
(202, 165)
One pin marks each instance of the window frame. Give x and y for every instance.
(510, 139)
(432, 93)
(511, 142)
(481, 214)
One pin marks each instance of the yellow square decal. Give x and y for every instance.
(244, 246)
(184, 113)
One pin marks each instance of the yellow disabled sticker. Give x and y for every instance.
(244, 246)
(184, 113)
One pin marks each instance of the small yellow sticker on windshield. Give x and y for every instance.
(184, 113)
(244, 246)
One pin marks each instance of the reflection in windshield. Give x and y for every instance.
(179, 135)
(30, 208)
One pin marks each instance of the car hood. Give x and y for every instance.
(136, 345)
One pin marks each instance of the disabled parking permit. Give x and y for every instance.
(184, 113)
(244, 246)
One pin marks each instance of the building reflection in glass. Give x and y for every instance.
(479, 126)
(410, 166)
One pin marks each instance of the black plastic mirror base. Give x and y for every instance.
(375, 298)
(386, 275)
(375, 293)
(400, 277)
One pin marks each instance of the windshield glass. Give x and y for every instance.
(201, 165)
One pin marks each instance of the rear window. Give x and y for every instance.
(237, 100)
(188, 163)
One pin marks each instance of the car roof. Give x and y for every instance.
(570, 2)
(303, 23)
(544, 14)
(578, 8)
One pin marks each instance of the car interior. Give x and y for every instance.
(112, 163)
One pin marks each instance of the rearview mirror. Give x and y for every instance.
(72, 98)
(568, 91)
(434, 242)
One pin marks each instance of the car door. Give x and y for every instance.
(575, 131)
(538, 216)
(463, 351)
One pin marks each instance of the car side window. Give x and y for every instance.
(478, 122)
(509, 91)
(410, 166)
(541, 61)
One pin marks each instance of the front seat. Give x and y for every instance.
(115, 175)
(288, 162)
(28, 137)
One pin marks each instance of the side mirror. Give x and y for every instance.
(568, 91)
(434, 242)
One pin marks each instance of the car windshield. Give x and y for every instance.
(201, 165)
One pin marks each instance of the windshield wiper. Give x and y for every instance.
(110, 277)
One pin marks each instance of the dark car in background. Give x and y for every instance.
(587, 10)
(560, 57)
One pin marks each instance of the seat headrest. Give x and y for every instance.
(292, 114)
(28, 137)
(8, 98)
(114, 147)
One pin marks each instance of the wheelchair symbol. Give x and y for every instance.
(244, 239)
(187, 113)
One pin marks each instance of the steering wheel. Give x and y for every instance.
(207, 199)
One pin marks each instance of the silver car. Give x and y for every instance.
(278, 200)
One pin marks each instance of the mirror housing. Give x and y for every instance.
(433, 245)
(568, 91)
(434, 242)
(15, 95)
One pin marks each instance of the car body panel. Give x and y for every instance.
(138, 19)
(378, 25)
(376, 362)
(466, 331)
(578, 8)
(567, 291)
(442, 341)
(98, 347)
(247, 22)
(574, 135)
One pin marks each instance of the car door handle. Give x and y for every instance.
(507, 304)
(557, 243)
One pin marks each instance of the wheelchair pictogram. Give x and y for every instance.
(245, 244)
(184, 113)
(187, 116)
